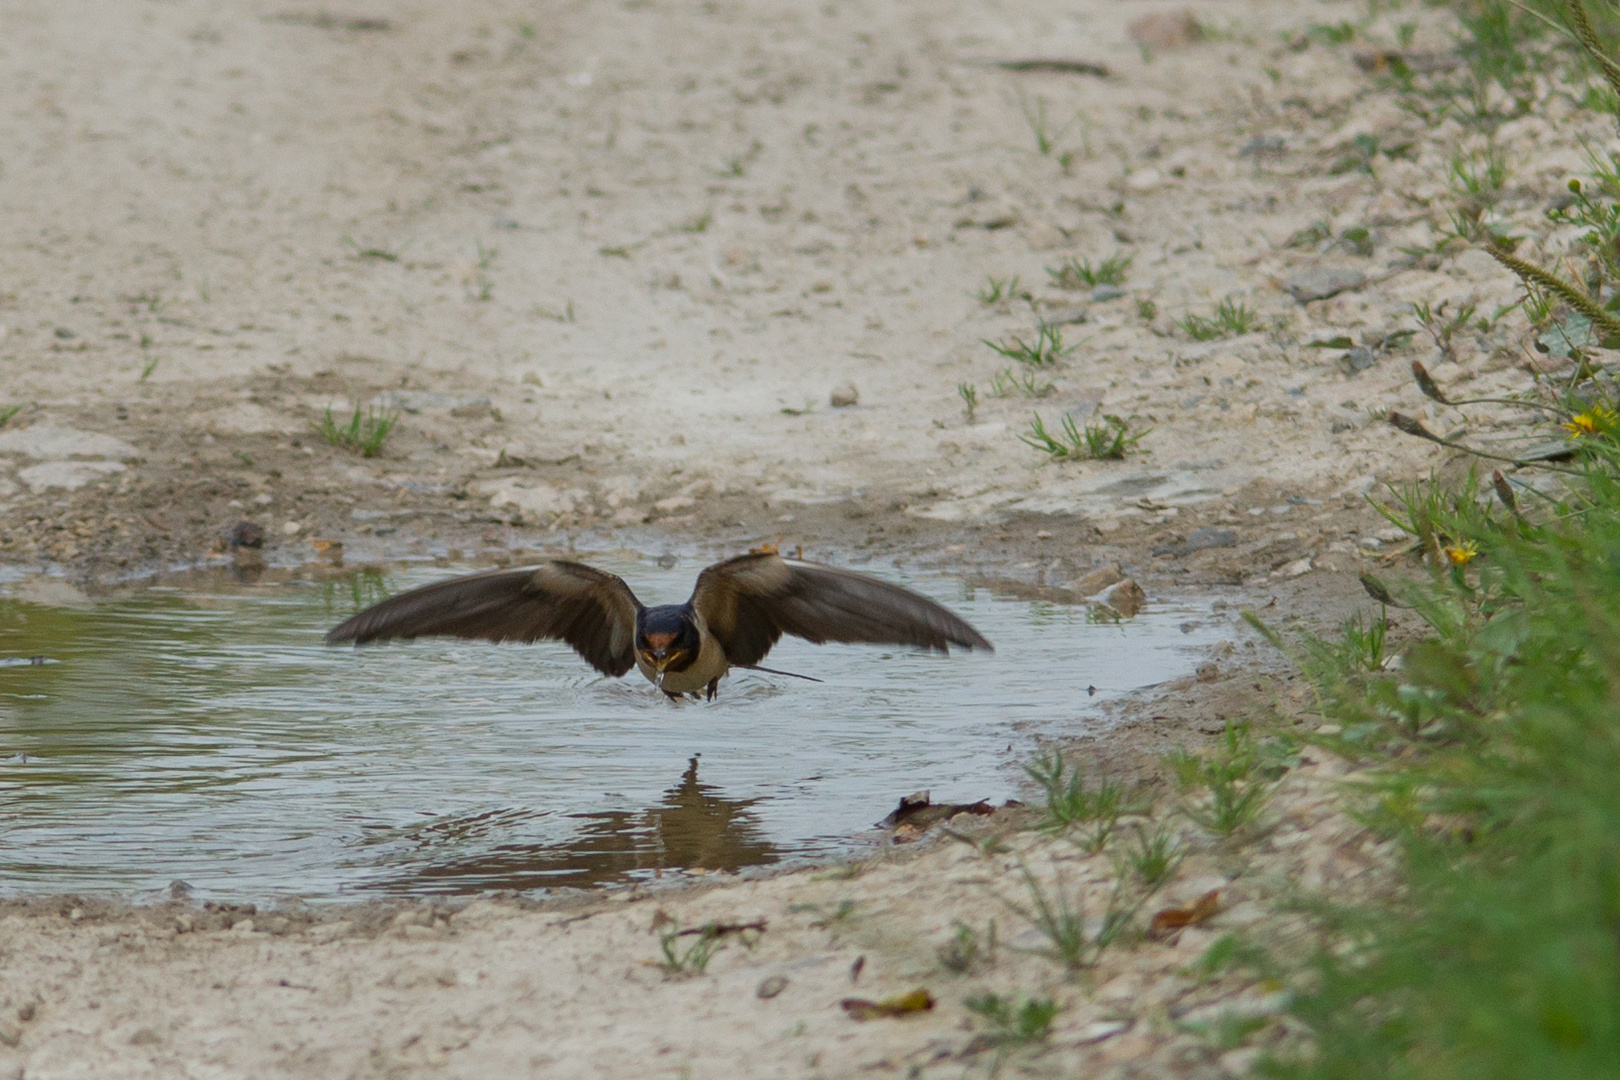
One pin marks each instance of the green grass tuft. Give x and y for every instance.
(1078, 273)
(1110, 440)
(364, 433)
(1046, 350)
(1229, 320)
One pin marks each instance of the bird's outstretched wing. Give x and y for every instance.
(749, 602)
(590, 609)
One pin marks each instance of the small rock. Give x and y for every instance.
(1167, 30)
(1067, 317)
(845, 396)
(1104, 293)
(1357, 360)
(76, 914)
(770, 986)
(1099, 579)
(26, 1011)
(184, 924)
(330, 550)
(10, 1034)
(242, 926)
(1240, 1062)
(1200, 539)
(331, 931)
(1297, 568)
(1126, 597)
(291, 528)
(1103, 1029)
(245, 534)
(1208, 672)
(263, 498)
(1144, 179)
(1321, 282)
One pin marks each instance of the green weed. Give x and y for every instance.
(1310, 236)
(1040, 126)
(1070, 803)
(1070, 942)
(1046, 350)
(364, 433)
(998, 290)
(1227, 789)
(1004, 382)
(679, 963)
(1152, 855)
(1110, 440)
(1229, 320)
(380, 254)
(1480, 177)
(1011, 1023)
(970, 399)
(1078, 273)
(7, 413)
(967, 949)
(1499, 959)
(1339, 33)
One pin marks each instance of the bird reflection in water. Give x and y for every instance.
(693, 827)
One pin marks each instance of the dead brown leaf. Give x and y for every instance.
(1172, 919)
(918, 1000)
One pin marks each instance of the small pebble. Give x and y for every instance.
(245, 534)
(291, 528)
(770, 986)
(845, 396)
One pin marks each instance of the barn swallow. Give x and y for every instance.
(739, 609)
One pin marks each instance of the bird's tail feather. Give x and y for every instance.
(773, 671)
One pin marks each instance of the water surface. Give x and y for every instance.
(206, 735)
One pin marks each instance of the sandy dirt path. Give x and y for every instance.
(653, 275)
(613, 260)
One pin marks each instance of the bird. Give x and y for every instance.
(739, 609)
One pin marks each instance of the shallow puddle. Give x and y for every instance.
(206, 735)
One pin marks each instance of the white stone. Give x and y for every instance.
(70, 475)
(536, 502)
(46, 443)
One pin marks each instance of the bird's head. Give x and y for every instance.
(667, 640)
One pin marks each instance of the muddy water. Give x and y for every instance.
(203, 733)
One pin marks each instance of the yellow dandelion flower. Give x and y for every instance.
(1595, 422)
(1462, 554)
